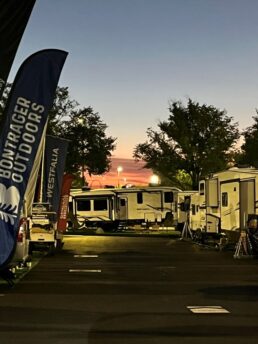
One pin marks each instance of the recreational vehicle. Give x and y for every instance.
(91, 208)
(197, 214)
(113, 208)
(225, 202)
(184, 205)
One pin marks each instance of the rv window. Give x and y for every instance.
(168, 197)
(201, 188)
(224, 199)
(139, 198)
(100, 204)
(122, 202)
(83, 205)
(193, 209)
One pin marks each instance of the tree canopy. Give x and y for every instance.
(195, 139)
(91, 148)
(3, 102)
(249, 148)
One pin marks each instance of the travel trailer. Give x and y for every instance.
(225, 202)
(197, 214)
(125, 207)
(184, 207)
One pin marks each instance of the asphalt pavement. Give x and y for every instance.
(141, 290)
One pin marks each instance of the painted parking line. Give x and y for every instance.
(84, 270)
(85, 256)
(207, 309)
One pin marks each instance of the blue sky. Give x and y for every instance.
(128, 58)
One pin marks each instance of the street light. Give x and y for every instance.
(154, 180)
(119, 170)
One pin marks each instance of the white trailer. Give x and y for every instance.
(197, 217)
(92, 208)
(147, 206)
(226, 201)
(184, 207)
(111, 208)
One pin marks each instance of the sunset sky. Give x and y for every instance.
(132, 173)
(129, 58)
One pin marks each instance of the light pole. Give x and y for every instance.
(119, 170)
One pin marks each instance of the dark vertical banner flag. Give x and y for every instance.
(14, 15)
(54, 164)
(64, 202)
(26, 115)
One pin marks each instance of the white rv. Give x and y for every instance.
(226, 200)
(197, 217)
(92, 208)
(184, 207)
(111, 208)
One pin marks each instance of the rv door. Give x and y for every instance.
(122, 212)
(229, 205)
(247, 201)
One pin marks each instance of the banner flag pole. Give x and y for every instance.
(25, 116)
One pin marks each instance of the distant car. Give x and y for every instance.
(43, 229)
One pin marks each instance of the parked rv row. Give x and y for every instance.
(225, 202)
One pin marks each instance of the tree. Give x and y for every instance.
(62, 109)
(249, 148)
(3, 102)
(89, 147)
(195, 139)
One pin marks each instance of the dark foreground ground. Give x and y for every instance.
(135, 290)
